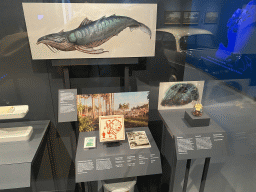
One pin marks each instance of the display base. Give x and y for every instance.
(113, 144)
(194, 121)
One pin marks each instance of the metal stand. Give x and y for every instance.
(75, 129)
(113, 144)
(66, 78)
(204, 175)
(186, 175)
(126, 79)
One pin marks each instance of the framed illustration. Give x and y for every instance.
(190, 17)
(134, 106)
(89, 142)
(138, 140)
(111, 128)
(211, 17)
(69, 30)
(172, 17)
(179, 95)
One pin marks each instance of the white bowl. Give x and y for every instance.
(19, 111)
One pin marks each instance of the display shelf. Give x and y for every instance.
(17, 157)
(201, 142)
(182, 144)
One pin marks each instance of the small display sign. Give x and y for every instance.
(89, 142)
(67, 108)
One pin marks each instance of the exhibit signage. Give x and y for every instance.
(196, 145)
(67, 108)
(90, 168)
(117, 161)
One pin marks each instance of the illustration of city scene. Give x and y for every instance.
(133, 105)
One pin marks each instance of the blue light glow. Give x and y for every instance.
(238, 39)
(222, 65)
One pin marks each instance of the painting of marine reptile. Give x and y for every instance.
(180, 94)
(91, 34)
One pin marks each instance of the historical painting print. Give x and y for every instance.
(111, 128)
(190, 17)
(90, 30)
(172, 17)
(138, 140)
(211, 17)
(179, 95)
(134, 106)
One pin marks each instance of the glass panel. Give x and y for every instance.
(198, 42)
(216, 43)
(159, 36)
(169, 41)
(206, 41)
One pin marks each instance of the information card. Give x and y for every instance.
(67, 110)
(200, 145)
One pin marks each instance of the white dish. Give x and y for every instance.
(13, 112)
(15, 134)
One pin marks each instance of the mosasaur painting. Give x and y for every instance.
(72, 30)
(178, 95)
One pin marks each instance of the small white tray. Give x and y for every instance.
(18, 111)
(15, 134)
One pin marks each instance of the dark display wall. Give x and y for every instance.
(34, 83)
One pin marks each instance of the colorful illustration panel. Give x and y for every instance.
(111, 128)
(90, 30)
(179, 95)
(134, 106)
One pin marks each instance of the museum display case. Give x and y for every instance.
(155, 95)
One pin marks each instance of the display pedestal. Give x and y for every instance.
(104, 163)
(19, 160)
(183, 145)
(113, 144)
(194, 121)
